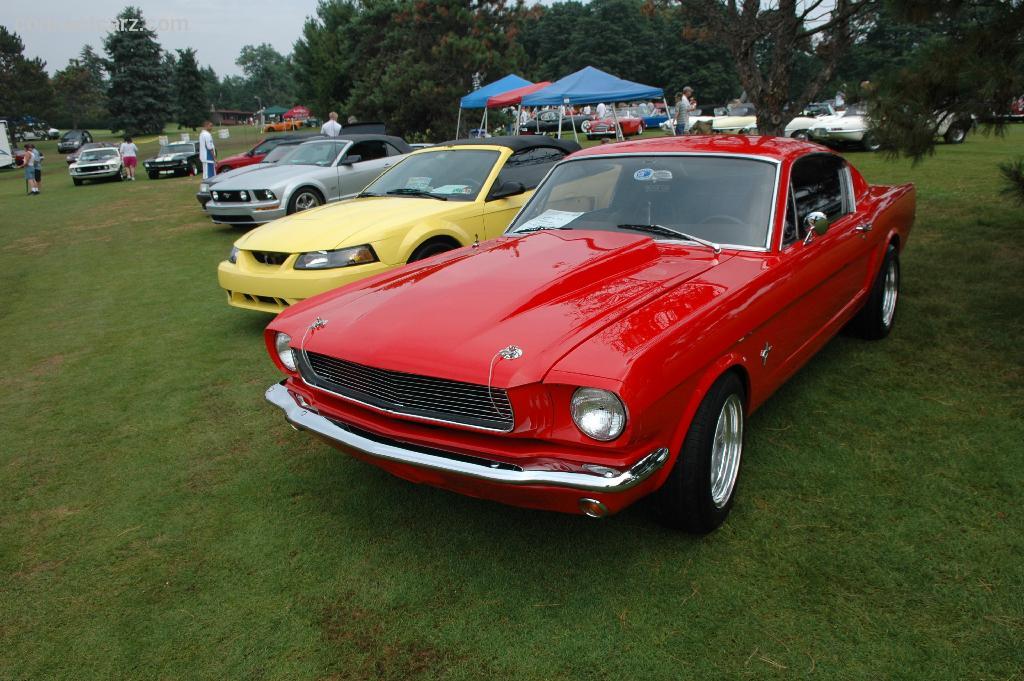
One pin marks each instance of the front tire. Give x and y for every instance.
(955, 135)
(876, 318)
(801, 135)
(78, 183)
(699, 491)
(153, 176)
(430, 248)
(870, 142)
(304, 199)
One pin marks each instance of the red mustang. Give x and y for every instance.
(612, 343)
(631, 122)
(254, 155)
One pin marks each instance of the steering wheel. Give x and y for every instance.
(722, 218)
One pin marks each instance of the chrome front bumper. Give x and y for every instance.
(607, 480)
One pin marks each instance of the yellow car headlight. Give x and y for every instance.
(343, 257)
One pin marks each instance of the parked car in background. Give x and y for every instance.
(72, 140)
(103, 163)
(547, 121)
(173, 159)
(655, 115)
(73, 156)
(853, 127)
(630, 120)
(282, 126)
(800, 125)
(31, 134)
(278, 153)
(317, 172)
(647, 299)
(52, 133)
(256, 154)
(435, 200)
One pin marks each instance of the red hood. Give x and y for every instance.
(243, 158)
(545, 292)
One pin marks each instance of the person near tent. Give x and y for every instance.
(602, 111)
(683, 109)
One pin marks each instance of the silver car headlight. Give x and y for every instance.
(343, 257)
(599, 414)
(282, 342)
(263, 195)
(233, 258)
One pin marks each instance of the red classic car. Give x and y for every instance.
(256, 154)
(612, 343)
(631, 122)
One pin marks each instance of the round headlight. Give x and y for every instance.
(284, 350)
(598, 414)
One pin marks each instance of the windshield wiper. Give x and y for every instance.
(668, 231)
(362, 195)
(538, 228)
(408, 191)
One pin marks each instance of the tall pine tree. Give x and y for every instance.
(138, 94)
(193, 105)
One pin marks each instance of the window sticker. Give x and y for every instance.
(420, 183)
(453, 189)
(550, 219)
(652, 175)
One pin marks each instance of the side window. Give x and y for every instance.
(817, 183)
(529, 166)
(368, 150)
(393, 150)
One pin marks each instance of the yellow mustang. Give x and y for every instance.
(436, 199)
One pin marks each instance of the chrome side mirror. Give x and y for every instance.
(815, 223)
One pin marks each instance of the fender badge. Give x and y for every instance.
(764, 353)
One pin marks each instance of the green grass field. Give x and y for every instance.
(159, 521)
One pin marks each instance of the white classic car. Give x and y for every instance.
(808, 118)
(853, 127)
(103, 163)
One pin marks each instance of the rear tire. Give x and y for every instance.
(699, 491)
(876, 318)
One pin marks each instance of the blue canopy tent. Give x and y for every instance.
(589, 86)
(478, 98)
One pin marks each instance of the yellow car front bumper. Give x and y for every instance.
(272, 288)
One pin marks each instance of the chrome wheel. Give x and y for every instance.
(726, 450)
(305, 201)
(890, 292)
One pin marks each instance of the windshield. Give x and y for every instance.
(97, 154)
(177, 149)
(855, 110)
(726, 200)
(457, 174)
(73, 135)
(279, 152)
(315, 154)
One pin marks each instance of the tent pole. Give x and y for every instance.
(572, 120)
(618, 130)
(458, 123)
(668, 113)
(483, 121)
(560, 109)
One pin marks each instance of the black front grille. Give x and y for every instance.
(232, 195)
(269, 257)
(433, 398)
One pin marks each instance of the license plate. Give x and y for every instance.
(166, 172)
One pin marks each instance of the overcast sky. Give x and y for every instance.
(55, 30)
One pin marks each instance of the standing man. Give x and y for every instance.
(130, 155)
(602, 111)
(207, 152)
(331, 128)
(37, 167)
(28, 162)
(683, 109)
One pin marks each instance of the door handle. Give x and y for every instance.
(863, 227)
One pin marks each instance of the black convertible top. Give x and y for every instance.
(398, 142)
(517, 142)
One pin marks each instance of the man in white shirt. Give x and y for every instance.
(331, 128)
(602, 111)
(207, 152)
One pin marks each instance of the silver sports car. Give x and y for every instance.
(315, 173)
